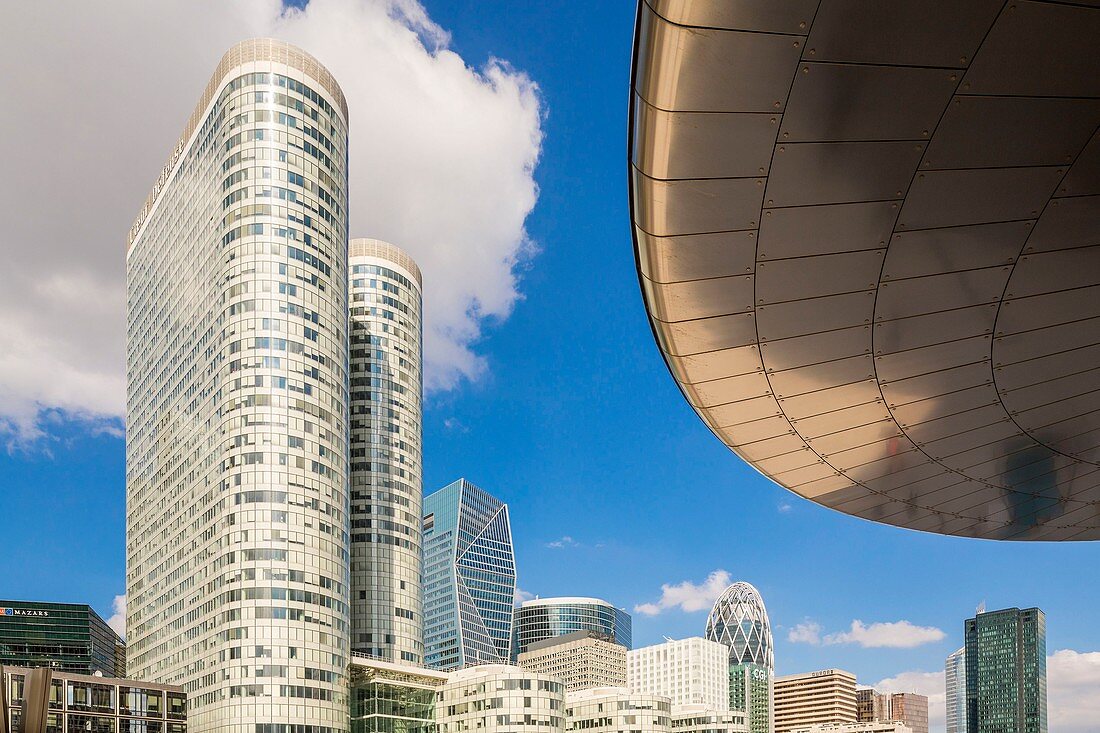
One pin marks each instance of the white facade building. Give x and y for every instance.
(237, 405)
(876, 727)
(955, 684)
(812, 698)
(701, 719)
(386, 333)
(616, 710)
(582, 659)
(500, 698)
(691, 671)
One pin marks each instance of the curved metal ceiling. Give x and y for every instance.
(868, 238)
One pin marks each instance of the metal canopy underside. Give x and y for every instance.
(868, 237)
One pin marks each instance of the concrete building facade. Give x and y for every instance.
(582, 659)
(616, 710)
(811, 698)
(692, 671)
(500, 698)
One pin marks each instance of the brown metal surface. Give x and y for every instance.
(868, 238)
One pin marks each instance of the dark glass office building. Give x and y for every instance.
(1006, 672)
(64, 636)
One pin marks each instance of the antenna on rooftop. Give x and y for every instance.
(981, 606)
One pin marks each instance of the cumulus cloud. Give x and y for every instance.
(687, 596)
(807, 632)
(890, 634)
(929, 684)
(118, 618)
(442, 160)
(1073, 688)
(521, 596)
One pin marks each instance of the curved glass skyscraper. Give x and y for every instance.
(543, 618)
(386, 426)
(237, 436)
(740, 621)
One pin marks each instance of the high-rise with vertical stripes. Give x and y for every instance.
(386, 490)
(237, 447)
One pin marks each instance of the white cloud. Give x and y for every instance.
(688, 596)
(442, 158)
(784, 507)
(118, 618)
(929, 684)
(891, 634)
(521, 596)
(562, 543)
(1073, 684)
(807, 632)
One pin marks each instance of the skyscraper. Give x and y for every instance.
(544, 618)
(955, 682)
(739, 620)
(469, 578)
(386, 426)
(237, 435)
(1006, 672)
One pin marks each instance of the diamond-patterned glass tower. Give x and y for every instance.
(740, 621)
(469, 578)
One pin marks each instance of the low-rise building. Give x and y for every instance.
(862, 727)
(691, 671)
(91, 703)
(63, 636)
(616, 709)
(701, 719)
(582, 659)
(500, 698)
(387, 697)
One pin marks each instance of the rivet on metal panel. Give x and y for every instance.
(953, 77)
(924, 133)
(893, 206)
(805, 69)
(786, 134)
(773, 120)
(781, 149)
(803, 23)
(770, 201)
(795, 44)
(767, 213)
(776, 104)
(966, 85)
(761, 170)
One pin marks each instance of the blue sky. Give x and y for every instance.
(578, 425)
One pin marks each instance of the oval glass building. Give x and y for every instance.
(544, 618)
(740, 621)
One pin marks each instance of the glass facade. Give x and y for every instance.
(386, 426)
(90, 704)
(469, 578)
(237, 410)
(63, 636)
(393, 698)
(1006, 674)
(545, 618)
(955, 683)
(739, 620)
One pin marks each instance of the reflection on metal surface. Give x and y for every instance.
(868, 238)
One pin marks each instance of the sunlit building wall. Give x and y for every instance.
(237, 407)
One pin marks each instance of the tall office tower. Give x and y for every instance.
(469, 578)
(545, 618)
(802, 700)
(739, 620)
(1006, 672)
(582, 660)
(237, 436)
(866, 698)
(691, 671)
(386, 428)
(955, 683)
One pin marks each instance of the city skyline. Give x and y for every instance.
(521, 422)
